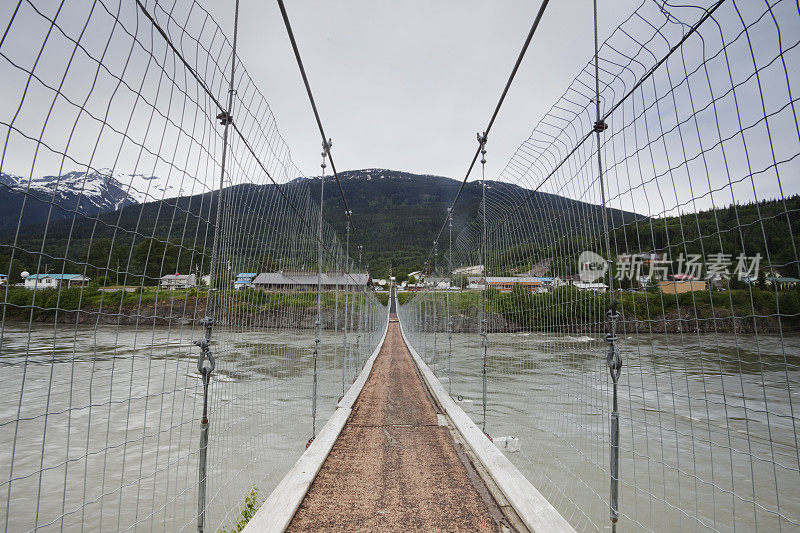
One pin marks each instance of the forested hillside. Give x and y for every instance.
(396, 214)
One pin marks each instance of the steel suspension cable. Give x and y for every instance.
(295, 48)
(208, 321)
(326, 149)
(222, 110)
(449, 311)
(496, 111)
(613, 358)
(484, 325)
(346, 295)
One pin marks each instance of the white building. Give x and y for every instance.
(178, 281)
(244, 280)
(416, 275)
(475, 283)
(602, 287)
(307, 281)
(437, 283)
(54, 281)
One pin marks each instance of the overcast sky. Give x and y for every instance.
(399, 85)
(404, 86)
(407, 85)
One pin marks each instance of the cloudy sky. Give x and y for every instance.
(407, 85)
(399, 85)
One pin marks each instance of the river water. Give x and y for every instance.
(104, 434)
(708, 424)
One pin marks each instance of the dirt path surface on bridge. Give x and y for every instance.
(393, 468)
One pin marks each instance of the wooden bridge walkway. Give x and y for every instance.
(389, 459)
(395, 465)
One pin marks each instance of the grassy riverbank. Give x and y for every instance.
(568, 308)
(89, 304)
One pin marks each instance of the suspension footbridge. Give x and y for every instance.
(599, 333)
(395, 464)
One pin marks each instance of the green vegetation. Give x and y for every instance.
(403, 297)
(383, 297)
(258, 300)
(569, 307)
(115, 262)
(47, 301)
(396, 215)
(764, 228)
(251, 505)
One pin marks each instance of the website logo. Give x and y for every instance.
(591, 266)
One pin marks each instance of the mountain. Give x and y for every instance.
(87, 193)
(396, 216)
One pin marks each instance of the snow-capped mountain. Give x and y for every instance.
(86, 193)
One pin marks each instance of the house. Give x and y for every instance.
(244, 280)
(507, 283)
(643, 281)
(437, 283)
(414, 287)
(3, 280)
(416, 274)
(475, 283)
(680, 287)
(782, 282)
(205, 279)
(602, 287)
(307, 281)
(178, 281)
(570, 279)
(54, 281)
(549, 282)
